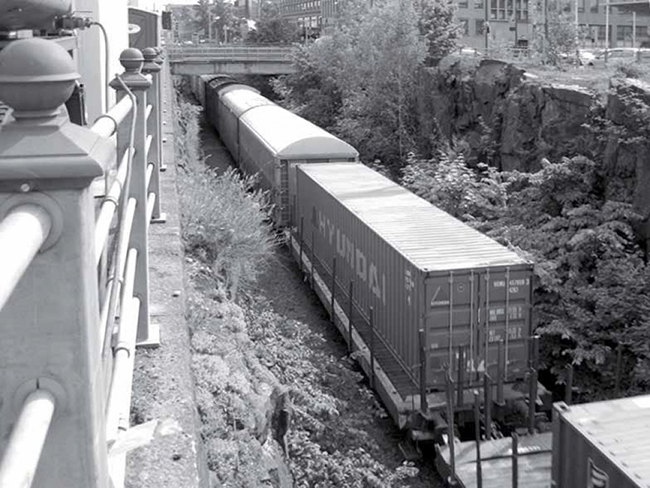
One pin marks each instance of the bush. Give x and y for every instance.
(592, 293)
(224, 219)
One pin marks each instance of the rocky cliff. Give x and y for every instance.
(513, 119)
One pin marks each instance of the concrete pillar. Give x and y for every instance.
(49, 331)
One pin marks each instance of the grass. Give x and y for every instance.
(227, 244)
(223, 217)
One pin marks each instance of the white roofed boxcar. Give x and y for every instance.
(267, 140)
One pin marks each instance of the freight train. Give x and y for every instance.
(432, 308)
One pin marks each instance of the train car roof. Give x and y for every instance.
(619, 429)
(241, 98)
(291, 137)
(430, 238)
(218, 81)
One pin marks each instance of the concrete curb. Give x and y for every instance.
(163, 384)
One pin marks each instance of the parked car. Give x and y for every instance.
(619, 55)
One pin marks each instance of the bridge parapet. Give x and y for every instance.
(73, 287)
(230, 60)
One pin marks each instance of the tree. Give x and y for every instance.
(436, 23)
(556, 38)
(217, 17)
(272, 28)
(360, 80)
(592, 289)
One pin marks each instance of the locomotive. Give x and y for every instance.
(434, 309)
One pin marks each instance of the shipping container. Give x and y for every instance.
(417, 268)
(602, 444)
(272, 141)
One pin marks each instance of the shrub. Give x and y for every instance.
(592, 289)
(224, 219)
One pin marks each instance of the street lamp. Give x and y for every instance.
(212, 20)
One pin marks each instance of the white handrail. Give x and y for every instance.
(106, 125)
(22, 233)
(110, 204)
(23, 451)
(124, 349)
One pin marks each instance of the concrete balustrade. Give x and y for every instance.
(61, 399)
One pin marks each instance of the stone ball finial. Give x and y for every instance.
(132, 60)
(36, 77)
(149, 54)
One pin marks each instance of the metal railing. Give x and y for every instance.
(74, 287)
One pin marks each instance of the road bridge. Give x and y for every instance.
(230, 60)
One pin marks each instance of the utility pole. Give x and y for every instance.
(486, 25)
(545, 26)
(606, 31)
(577, 35)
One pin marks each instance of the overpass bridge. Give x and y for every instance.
(230, 60)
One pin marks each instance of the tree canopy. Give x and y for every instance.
(359, 81)
(218, 17)
(272, 28)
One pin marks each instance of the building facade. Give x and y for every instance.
(510, 23)
(309, 15)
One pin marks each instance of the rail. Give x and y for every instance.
(74, 287)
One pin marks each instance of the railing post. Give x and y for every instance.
(132, 61)
(49, 334)
(154, 128)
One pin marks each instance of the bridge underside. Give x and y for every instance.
(202, 67)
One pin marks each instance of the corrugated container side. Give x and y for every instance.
(255, 158)
(602, 444)
(484, 301)
(227, 125)
(362, 257)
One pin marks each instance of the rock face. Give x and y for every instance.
(513, 120)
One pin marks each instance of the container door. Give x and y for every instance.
(451, 304)
(477, 320)
(504, 322)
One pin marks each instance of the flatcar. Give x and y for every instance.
(267, 140)
(425, 300)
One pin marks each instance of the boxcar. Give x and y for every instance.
(212, 85)
(272, 141)
(424, 283)
(234, 101)
(602, 444)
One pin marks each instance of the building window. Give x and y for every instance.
(465, 25)
(479, 4)
(480, 26)
(624, 34)
(462, 4)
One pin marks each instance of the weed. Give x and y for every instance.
(224, 219)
